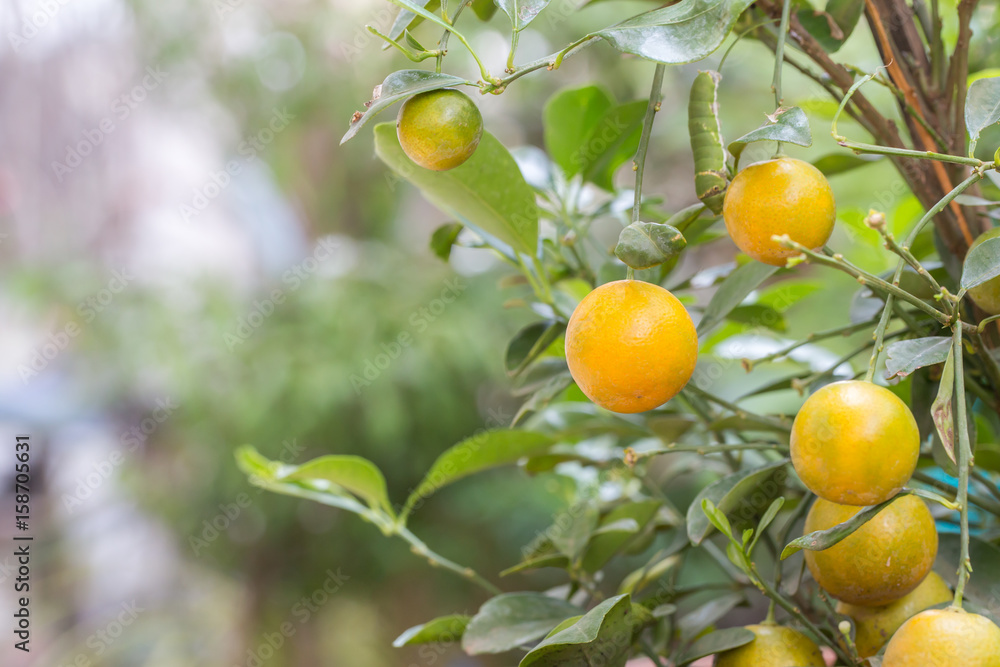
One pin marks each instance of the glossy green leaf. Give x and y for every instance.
(353, 473)
(982, 106)
(612, 143)
(736, 491)
(786, 125)
(510, 620)
(643, 245)
(521, 12)
(715, 642)
(943, 407)
(446, 629)
(485, 450)
(396, 88)
(444, 238)
(603, 636)
(983, 588)
(705, 130)
(681, 33)
(487, 192)
(570, 117)
(981, 264)
(731, 293)
(838, 163)
(529, 343)
(824, 539)
(537, 563)
(905, 356)
(834, 24)
(406, 20)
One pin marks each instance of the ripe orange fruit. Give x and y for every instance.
(945, 638)
(775, 197)
(631, 346)
(987, 295)
(883, 560)
(439, 129)
(875, 625)
(855, 443)
(773, 646)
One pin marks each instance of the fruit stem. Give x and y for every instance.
(785, 604)
(639, 161)
(879, 334)
(515, 33)
(964, 461)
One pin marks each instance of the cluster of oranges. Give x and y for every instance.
(631, 346)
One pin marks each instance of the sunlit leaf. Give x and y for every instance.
(447, 629)
(786, 125)
(643, 245)
(824, 539)
(728, 493)
(603, 636)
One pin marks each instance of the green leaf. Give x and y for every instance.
(643, 245)
(717, 518)
(834, 25)
(444, 238)
(538, 562)
(446, 629)
(571, 537)
(786, 125)
(837, 163)
(397, 87)
(705, 130)
(484, 9)
(982, 107)
(732, 492)
(757, 315)
(731, 293)
(716, 642)
(658, 566)
(983, 588)
(612, 143)
(942, 409)
(570, 117)
(765, 521)
(704, 616)
(824, 539)
(603, 636)
(507, 621)
(605, 543)
(521, 12)
(353, 473)
(406, 20)
(905, 356)
(529, 343)
(487, 192)
(981, 264)
(682, 33)
(488, 449)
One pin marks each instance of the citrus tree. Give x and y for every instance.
(865, 512)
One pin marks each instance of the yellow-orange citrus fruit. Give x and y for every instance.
(883, 560)
(439, 129)
(945, 638)
(855, 443)
(773, 646)
(776, 197)
(873, 626)
(987, 295)
(631, 346)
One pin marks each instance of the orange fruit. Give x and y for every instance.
(987, 295)
(776, 197)
(883, 560)
(773, 646)
(873, 626)
(855, 443)
(439, 129)
(945, 638)
(631, 346)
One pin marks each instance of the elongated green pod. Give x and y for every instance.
(706, 140)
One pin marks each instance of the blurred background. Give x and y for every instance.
(190, 262)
